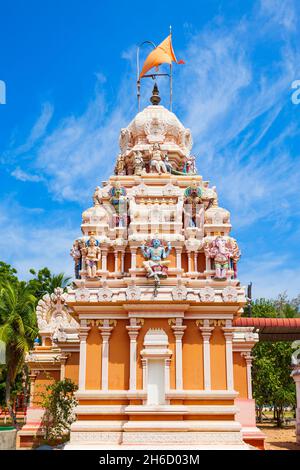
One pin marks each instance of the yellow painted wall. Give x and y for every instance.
(218, 360)
(72, 367)
(119, 356)
(43, 379)
(93, 359)
(192, 357)
(240, 375)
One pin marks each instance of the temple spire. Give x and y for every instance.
(155, 98)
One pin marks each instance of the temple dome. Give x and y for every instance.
(96, 214)
(156, 124)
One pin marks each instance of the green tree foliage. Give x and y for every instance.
(271, 375)
(59, 402)
(8, 274)
(18, 329)
(44, 282)
(272, 383)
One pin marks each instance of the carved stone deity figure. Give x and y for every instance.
(190, 165)
(192, 201)
(120, 168)
(157, 160)
(138, 163)
(223, 252)
(75, 252)
(118, 200)
(156, 263)
(92, 256)
(97, 196)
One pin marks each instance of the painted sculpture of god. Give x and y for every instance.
(157, 163)
(76, 253)
(92, 253)
(156, 262)
(225, 254)
(192, 204)
(118, 200)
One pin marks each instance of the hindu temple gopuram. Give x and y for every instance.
(147, 329)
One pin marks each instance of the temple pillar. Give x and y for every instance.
(116, 261)
(206, 332)
(189, 261)
(83, 334)
(296, 376)
(133, 258)
(228, 333)
(122, 261)
(195, 261)
(32, 378)
(104, 259)
(63, 361)
(178, 330)
(133, 331)
(178, 258)
(105, 327)
(248, 359)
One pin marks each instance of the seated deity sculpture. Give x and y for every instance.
(92, 256)
(120, 168)
(157, 160)
(192, 201)
(156, 263)
(223, 252)
(138, 163)
(118, 200)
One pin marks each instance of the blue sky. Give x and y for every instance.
(69, 68)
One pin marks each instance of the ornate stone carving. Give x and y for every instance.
(133, 292)
(207, 294)
(229, 294)
(179, 292)
(53, 316)
(104, 293)
(124, 140)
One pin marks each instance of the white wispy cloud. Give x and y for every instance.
(24, 176)
(25, 245)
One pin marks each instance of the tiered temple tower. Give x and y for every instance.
(147, 328)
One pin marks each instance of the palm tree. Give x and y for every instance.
(58, 280)
(18, 329)
(44, 282)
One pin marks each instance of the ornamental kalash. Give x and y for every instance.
(147, 329)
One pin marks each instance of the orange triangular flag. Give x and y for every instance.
(162, 54)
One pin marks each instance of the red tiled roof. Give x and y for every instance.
(268, 322)
(272, 329)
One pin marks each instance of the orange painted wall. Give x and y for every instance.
(184, 262)
(119, 356)
(72, 367)
(155, 323)
(127, 262)
(93, 359)
(201, 263)
(218, 360)
(192, 357)
(111, 262)
(240, 375)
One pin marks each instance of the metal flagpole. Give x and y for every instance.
(171, 78)
(138, 80)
